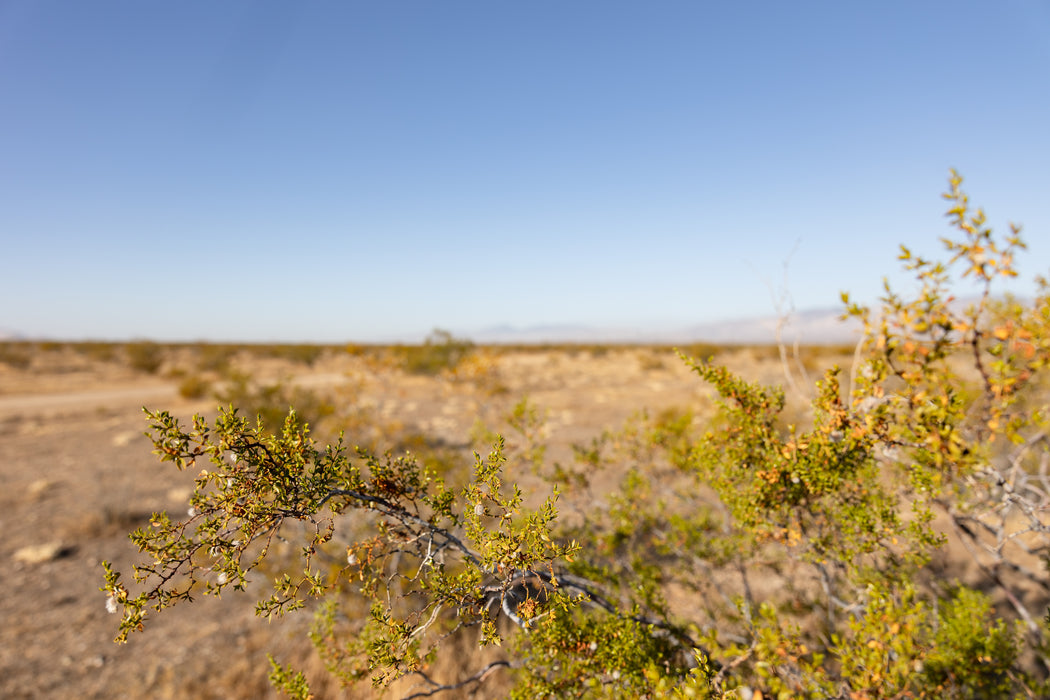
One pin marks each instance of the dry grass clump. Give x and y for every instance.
(145, 356)
(97, 351)
(15, 355)
(194, 386)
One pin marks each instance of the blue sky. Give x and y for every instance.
(335, 171)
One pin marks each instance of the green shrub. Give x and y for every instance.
(271, 403)
(704, 351)
(741, 557)
(215, 358)
(441, 352)
(653, 360)
(972, 653)
(144, 356)
(299, 353)
(15, 355)
(194, 386)
(100, 352)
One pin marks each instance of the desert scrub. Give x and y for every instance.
(481, 368)
(652, 360)
(214, 357)
(705, 351)
(440, 352)
(15, 355)
(748, 554)
(270, 403)
(194, 386)
(97, 351)
(145, 356)
(297, 353)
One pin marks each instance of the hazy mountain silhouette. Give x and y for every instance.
(817, 326)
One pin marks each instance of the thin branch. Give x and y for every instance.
(387, 508)
(478, 678)
(994, 576)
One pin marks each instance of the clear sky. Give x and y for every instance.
(335, 171)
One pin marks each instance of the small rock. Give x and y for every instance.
(122, 439)
(181, 495)
(38, 487)
(40, 553)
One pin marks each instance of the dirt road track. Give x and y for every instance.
(152, 395)
(42, 404)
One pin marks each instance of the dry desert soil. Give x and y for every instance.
(77, 474)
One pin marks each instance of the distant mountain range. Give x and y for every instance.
(817, 327)
(813, 327)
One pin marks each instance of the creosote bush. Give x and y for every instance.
(895, 545)
(15, 355)
(440, 352)
(194, 386)
(145, 356)
(270, 403)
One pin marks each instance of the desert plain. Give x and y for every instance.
(77, 474)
